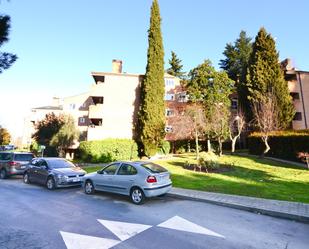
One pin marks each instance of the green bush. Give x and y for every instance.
(107, 150)
(283, 144)
(208, 160)
(165, 148)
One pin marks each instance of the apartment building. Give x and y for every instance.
(298, 83)
(108, 110)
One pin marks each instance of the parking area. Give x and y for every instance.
(34, 217)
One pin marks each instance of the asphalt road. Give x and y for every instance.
(31, 217)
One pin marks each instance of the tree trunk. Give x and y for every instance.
(267, 147)
(233, 144)
(208, 146)
(220, 146)
(196, 146)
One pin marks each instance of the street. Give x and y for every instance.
(33, 217)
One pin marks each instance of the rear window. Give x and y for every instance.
(59, 164)
(23, 157)
(153, 168)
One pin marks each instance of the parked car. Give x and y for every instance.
(14, 163)
(135, 179)
(53, 173)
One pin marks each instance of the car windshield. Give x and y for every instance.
(23, 157)
(153, 168)
(59, 164)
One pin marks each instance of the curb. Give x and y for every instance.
(289, 216)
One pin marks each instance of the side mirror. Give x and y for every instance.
(99, 172)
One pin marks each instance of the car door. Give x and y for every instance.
(42, 171)
(33, 170)
(104, 178)
(125, 178)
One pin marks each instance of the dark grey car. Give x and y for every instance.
(14, 163)
(53, 173)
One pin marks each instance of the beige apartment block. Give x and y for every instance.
(298, 83)
(108, 110)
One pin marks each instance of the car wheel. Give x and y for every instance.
(26, 178)
(3, 174)
(137, 196)
(50, 184)
(89, 188)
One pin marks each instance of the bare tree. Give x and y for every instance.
(236, 126)
(219, 124)
(266, 117)
(191, 125)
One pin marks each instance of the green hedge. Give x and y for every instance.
(283, 144)
(107, 150)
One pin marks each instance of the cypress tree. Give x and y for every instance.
(265, 76)
(151, 117)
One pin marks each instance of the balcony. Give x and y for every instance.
(95, 111)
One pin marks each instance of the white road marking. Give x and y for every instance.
(124, 230)
(78, 241)
(181, 224)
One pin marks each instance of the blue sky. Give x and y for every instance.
(60, 42)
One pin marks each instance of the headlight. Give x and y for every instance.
(62, 177)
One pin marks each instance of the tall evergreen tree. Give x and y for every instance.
(176, 66)
(235, 64)
(265, 76)
(151, 117)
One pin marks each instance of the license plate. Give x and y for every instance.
(76, 180)
(22, 167)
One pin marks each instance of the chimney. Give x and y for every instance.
(117, 66)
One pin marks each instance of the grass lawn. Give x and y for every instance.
(251, 176)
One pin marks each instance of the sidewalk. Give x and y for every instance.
(283, 209)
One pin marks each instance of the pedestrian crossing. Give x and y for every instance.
(124, 231)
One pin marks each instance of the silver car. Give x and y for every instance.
(53, 173)
(135, 179)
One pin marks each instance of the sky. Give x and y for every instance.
(59, 43)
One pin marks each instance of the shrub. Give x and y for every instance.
(208, 160)
(107, 150)
(165, 148)
(283, 144)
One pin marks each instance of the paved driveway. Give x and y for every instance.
(33, 217)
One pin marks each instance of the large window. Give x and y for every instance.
(169, 129)
(169, 112)
(169, 97)
(127, 169)
(298, 116)
(111, 169)
(169, 83)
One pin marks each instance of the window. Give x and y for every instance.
(72, 106)
(97, 99)
(169, 129)
(23, 157)
(294, 95)
(96, 122)
(169, 83)
(169, 97)
(298, 116)
(111, 169)
(82, 120)
(169, 112)
(182, 97)
(154, 168)
(127, 169)
(234, 104)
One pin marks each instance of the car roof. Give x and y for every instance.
(17, 152)
(50, 159)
